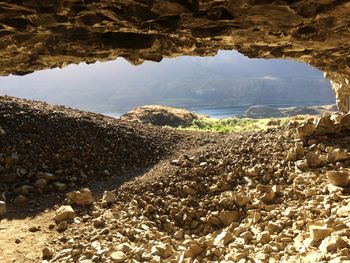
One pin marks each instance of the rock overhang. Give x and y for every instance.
(37, 35)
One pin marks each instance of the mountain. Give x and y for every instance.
(229, 79)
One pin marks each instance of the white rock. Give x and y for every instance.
(65, 212)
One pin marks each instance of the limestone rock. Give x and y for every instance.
(118, 257)
(223, 238)
(306, 130)
(338, 178)
(65, 212)
(82, 197)
(108, 197)
(325, 125)
(336, 155)
(333, 243)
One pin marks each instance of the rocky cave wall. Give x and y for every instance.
(37, 35)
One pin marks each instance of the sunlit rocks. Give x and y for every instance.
(318, 233)
(306, 130)
(82, 197)
(65, 212)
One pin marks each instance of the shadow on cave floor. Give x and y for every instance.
(40, 203)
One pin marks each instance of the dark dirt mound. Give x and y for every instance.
(162, 116)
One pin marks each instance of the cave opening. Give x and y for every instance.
(222, 86)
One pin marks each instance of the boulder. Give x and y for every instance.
(306, 130)
(325, 125)
(82, 197)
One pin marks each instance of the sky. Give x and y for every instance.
(87, 86)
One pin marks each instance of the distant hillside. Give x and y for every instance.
(227, 79)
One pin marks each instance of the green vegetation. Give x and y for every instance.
(237, 124)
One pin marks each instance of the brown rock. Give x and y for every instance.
(318, 233)
(306, 130)
(338, 178)
(47, 253)
(336, 155)
(193, 251)
(108, 197)
(20, 200)
(2, 208)
(228, 217)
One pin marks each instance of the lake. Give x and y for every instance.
(222, 112)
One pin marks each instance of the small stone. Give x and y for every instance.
(65, 212)
(228, 217)
(179, 234)
(313, 159)
(2, 208)
(20, 200)
(82, 197)
(338, 178)
(47, 253)
(18, 240)
(264, 237)
(223, 238)
(189, 190)
(333, 243)
(318, 233)
(34, 229)
(40, 183)
(336, 155)
(62, 226)
(193, 251)
(108, 197)
(118, 256)
(242, 200)
(60, 186)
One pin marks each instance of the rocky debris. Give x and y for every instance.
(2, 208)
(264, 197)
(82, 197)
(162, 116)
(31, 165)
(63, 213)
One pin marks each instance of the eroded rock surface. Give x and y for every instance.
(45, 34)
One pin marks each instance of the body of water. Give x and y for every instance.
(222, 112)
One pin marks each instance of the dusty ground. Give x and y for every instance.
(178, 196)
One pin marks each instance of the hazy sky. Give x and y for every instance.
(78, 85)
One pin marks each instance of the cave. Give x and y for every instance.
(38, 35)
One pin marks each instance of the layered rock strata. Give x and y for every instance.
(38, 35)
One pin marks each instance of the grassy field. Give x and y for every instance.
(239, 124)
